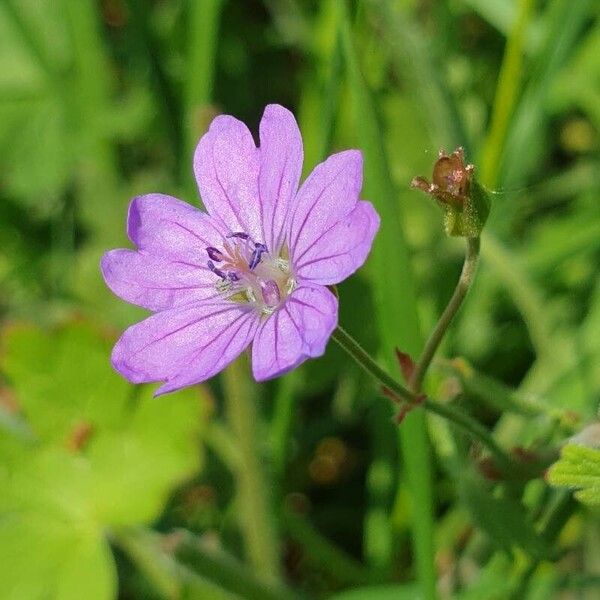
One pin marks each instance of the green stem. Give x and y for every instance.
(355, 350)
(283, 423)
(222, 568)
(254, 510)
(436, 337)
(168, 577)
(448, 412)
(324, 554)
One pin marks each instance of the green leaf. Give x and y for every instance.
(136, 468)
(64, 489)
(63, 378)
(579, 469)
(51, 481)
(42, 557)
(503, 519)
(398, 324)
(37, 141)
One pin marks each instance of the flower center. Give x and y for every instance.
(248, 273)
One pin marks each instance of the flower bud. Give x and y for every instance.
(466, 204)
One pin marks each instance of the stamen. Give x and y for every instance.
(258, 251)
(216, 271)
(214, 253)
(238, 234)
(232, 276)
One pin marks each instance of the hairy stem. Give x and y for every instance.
(364, 359)
(436, 337)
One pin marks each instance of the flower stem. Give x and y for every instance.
(363, 358)
(256, 526)
(436, 337)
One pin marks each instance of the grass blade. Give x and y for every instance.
(397, 316)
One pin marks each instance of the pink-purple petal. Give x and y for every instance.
(329, 193)
(298, 330)
(340, 250)
(281, 156)
(153, 282)
(226, 165)
(184, 346)
(174, 230)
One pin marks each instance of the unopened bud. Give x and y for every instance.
(466, 204)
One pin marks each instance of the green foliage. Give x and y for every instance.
(503, 519)
(100, 456)
(387, 592)
(101, 101)
(578, 469)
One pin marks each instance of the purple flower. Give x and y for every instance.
(251, 270)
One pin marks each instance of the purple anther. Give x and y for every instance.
(216, 271)
(270, 293)
(214, 253)
(239, 234)
(257, 253)
(232, 276)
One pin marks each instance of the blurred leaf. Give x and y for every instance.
(503, 519)
(407, 591)
(579, 469)
(102, 460)
(394, 296)
(42, 558)
(492, 582)
(63, 378)
(579, 85)
(136, 468)
(34, 136)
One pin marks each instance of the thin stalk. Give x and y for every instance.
(223, 569)
(462, 287)
(169, 578)
(283, 422)
(395, 294)
(460, 419)
(364, 359)
(320, 551)
(254, 511)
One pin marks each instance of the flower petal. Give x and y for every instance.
(296, 331)
(226, 165)
(166, 227)
(184, 346)
(153, 282)
(281, 157)
(329, 193)
(341, 249)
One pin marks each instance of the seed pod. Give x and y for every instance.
(465, 203)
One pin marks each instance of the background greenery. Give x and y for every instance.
(303, 487)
